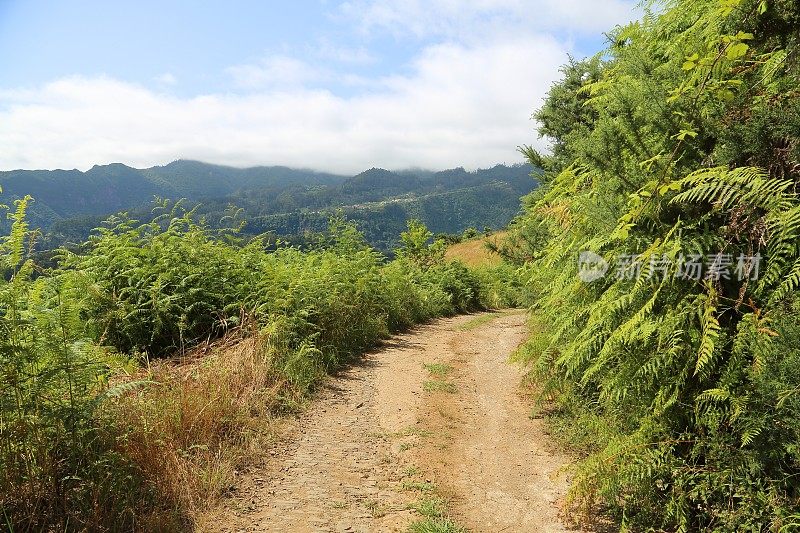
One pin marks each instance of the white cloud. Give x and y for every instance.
(465, 100)
(285, 71)
(592, 17)
(275, 71)
(353, 55)
(166, 78)
(474, 19)
(461, 105)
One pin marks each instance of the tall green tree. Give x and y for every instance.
(419, 246)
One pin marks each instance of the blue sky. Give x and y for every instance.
(313, 83)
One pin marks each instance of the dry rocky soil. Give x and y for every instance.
(436, 413)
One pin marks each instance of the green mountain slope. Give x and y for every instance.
(106, 189)
(283, 201)
(492, 204)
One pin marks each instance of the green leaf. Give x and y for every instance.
(725, 95)
(672, 186)
(735, 51)
(682, 134)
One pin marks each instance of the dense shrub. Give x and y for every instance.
(503, 285)
(142, 453)
(157, 289)
(51, 384)
(685, 388)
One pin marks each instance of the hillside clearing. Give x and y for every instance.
(475, 252)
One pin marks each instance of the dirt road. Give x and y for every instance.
(435, 414)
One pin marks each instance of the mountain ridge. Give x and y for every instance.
(68, 204)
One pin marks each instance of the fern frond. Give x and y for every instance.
(710, 332)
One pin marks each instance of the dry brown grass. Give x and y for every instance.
(199, 420)
(475, 253)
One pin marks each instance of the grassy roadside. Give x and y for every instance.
(90, 442)
(573, 426)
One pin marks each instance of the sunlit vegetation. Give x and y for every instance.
(478, 251)
(684, 394)
(138, 374)
(139, 370)
(439, 386)
(439, 370)
(431, 507)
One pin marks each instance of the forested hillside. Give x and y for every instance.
(285, 202)
(664, 252)
(106, 189)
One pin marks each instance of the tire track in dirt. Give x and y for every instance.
(345, 463)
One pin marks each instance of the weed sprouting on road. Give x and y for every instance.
(438, 370)
(479, 321)
(439, 386)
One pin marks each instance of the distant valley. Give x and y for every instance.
(287, 203)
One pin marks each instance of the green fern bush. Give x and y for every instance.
(87, 441)
(159, 287)
(52, 382)
(684, 138)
